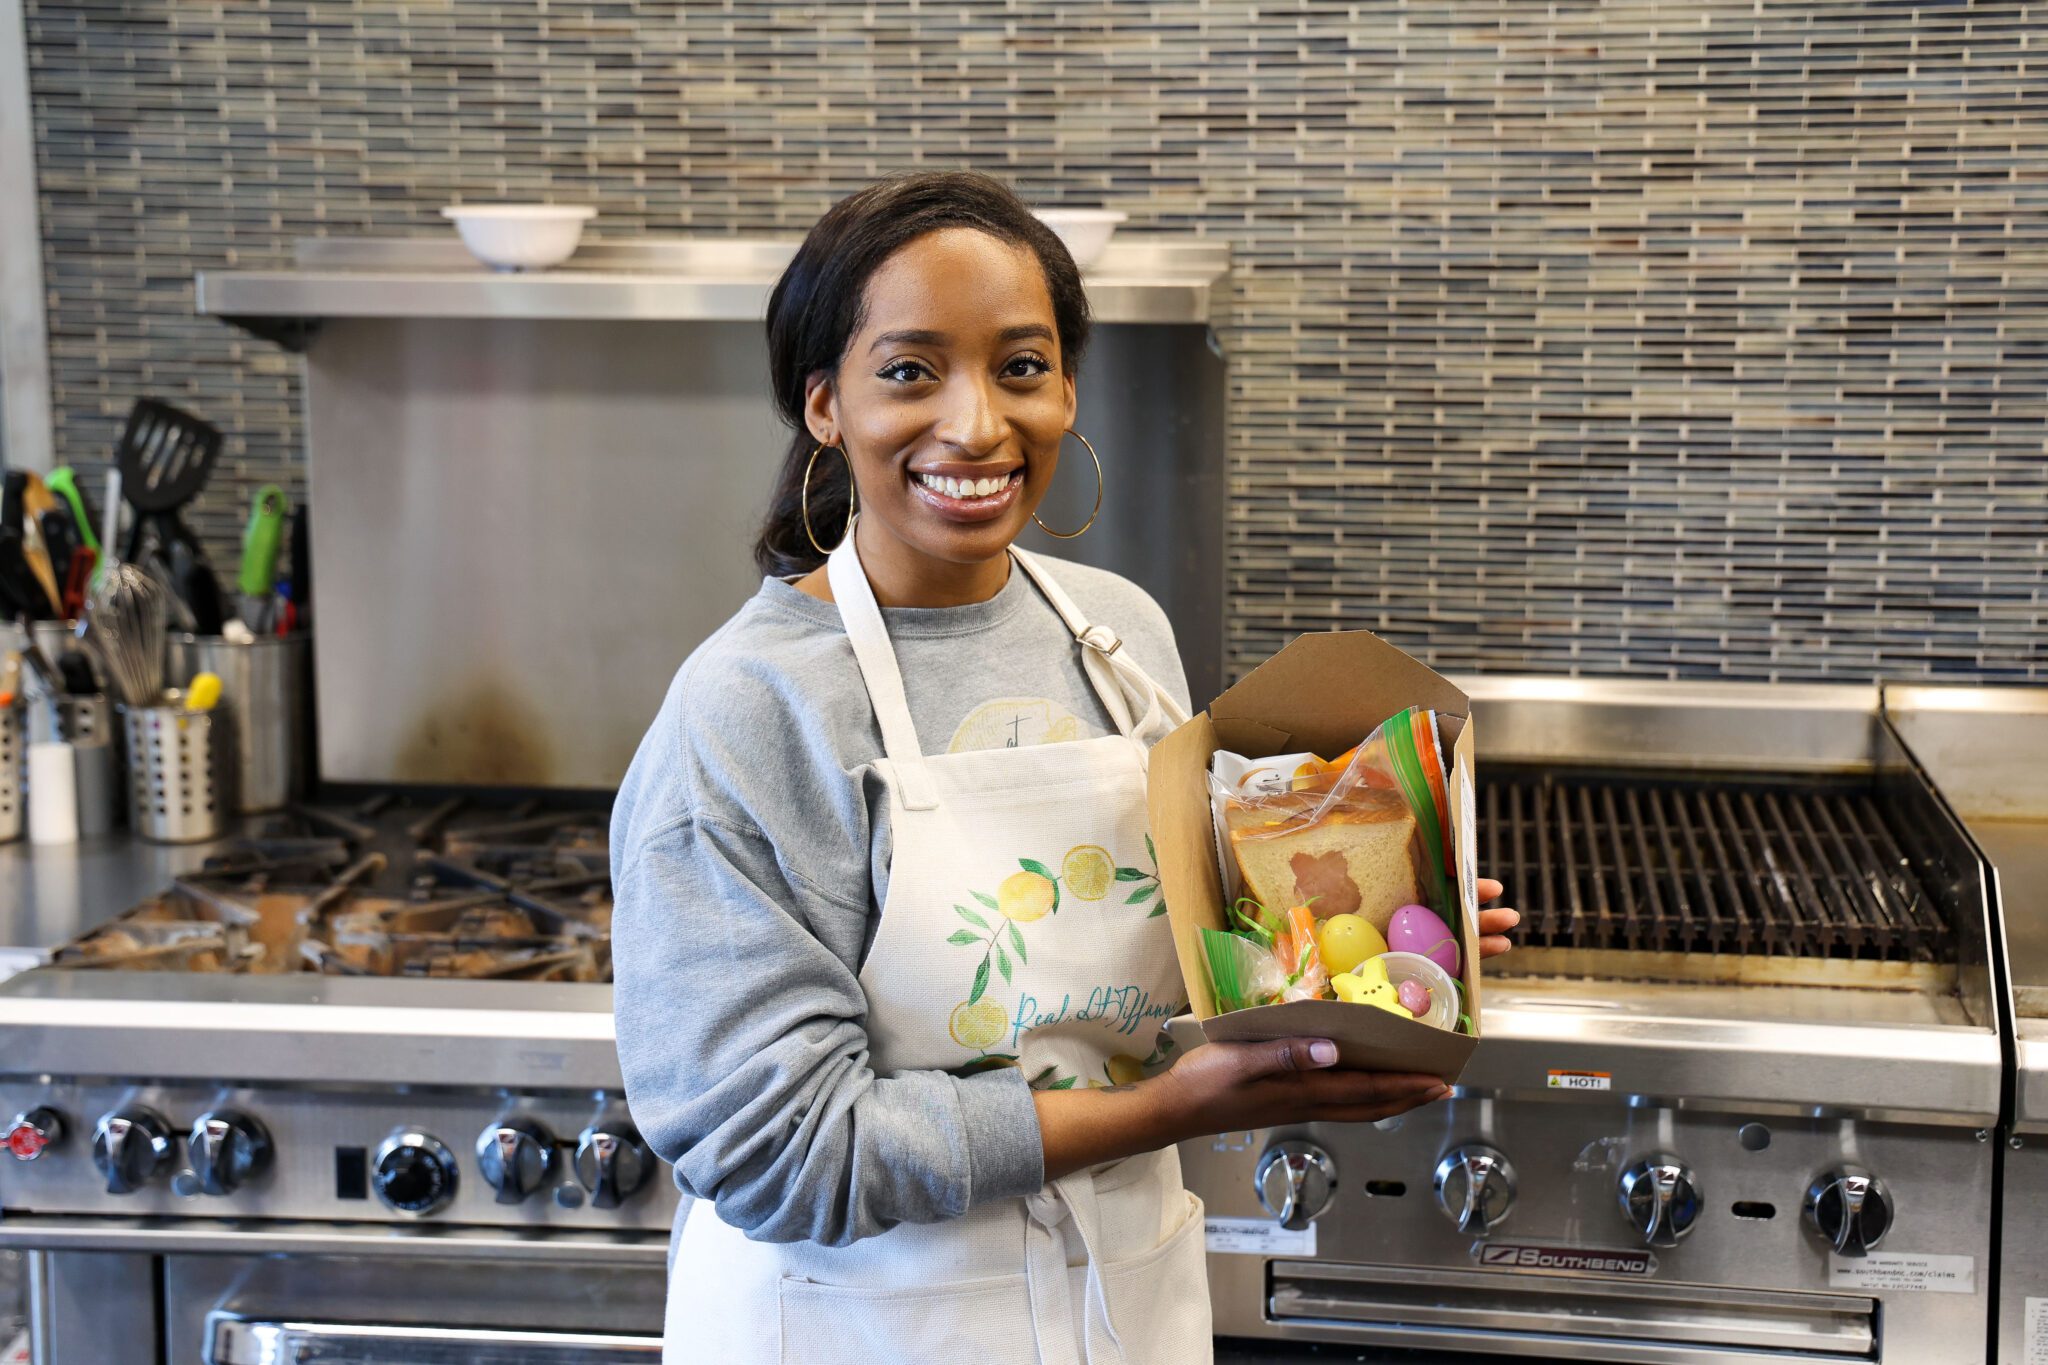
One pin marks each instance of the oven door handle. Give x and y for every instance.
(232, 1340)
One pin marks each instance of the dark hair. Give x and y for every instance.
(819, 303)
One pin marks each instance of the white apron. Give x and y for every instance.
(1018, 931)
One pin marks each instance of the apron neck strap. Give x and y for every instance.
(1116, 677)
(877, 660)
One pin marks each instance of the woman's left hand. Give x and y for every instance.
(1495, 923)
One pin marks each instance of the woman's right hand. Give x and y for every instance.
(1221, 1088)
(1228, 1087)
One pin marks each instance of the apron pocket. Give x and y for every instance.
(974, 1322)
(1160, 1299)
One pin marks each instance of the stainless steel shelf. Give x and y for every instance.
(1138, 280)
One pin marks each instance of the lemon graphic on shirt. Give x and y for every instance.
(1087, 872)
(1026, 896)
(1124, 1069)
(976, 1024)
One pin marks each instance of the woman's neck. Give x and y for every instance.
(903, 576)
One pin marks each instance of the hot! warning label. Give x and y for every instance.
(1581, 1080)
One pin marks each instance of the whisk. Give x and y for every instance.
(125, 623)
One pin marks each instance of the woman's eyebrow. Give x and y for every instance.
(916, 337)
(908, 338)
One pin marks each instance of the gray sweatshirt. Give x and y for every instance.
(750, 859)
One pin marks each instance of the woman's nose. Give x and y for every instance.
(970, 423)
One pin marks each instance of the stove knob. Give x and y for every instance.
(1661, 1197)
(1475, 1187)
(613, 1163)
(516, 1155)
(131, 1146)
(31, 1132)
(1850, 1208)
(1295, 1181)
(414, 1173)
(228, 1149)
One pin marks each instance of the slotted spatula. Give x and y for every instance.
(165, 457)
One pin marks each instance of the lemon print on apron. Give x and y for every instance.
(1033, 891)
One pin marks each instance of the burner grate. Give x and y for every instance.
(1650, 863)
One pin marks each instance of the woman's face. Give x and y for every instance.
(950, 400)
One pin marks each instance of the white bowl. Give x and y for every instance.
(520, 236)
(1085, 231)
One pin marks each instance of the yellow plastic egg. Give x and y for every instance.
(1369, 986)
(1347, 940)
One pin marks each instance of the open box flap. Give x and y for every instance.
(1290, 694)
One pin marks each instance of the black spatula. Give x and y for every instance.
(165, 457)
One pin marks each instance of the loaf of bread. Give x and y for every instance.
(1358, 858)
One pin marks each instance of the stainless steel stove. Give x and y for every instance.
(372, 1038)
(1737, 1088)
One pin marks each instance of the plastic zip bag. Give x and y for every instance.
(1364, 833)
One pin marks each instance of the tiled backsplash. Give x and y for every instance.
(1674, 337)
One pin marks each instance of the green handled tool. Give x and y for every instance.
(260, 543)
(64, 484)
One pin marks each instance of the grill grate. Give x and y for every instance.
(1651, 863)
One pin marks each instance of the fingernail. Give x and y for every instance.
(1517, 917)
(1433, 1096)
(1323, 1054)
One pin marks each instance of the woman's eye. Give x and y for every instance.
(905, 371)
(1025, 366)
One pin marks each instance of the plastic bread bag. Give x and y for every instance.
(1364, 833)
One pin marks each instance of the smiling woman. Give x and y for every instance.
(930, 330)
(897, 1014)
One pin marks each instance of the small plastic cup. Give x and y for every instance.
(1443, 991)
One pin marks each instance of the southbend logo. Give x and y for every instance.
(1564, 1260)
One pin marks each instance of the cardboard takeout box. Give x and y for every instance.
(1322, 693)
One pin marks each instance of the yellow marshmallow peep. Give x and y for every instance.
(1367, 984)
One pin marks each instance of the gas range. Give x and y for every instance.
(354, 1019)
(1739, 1081)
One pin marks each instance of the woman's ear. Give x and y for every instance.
(821, 408)
(1073, 404)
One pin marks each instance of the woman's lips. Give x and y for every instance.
(970, 507)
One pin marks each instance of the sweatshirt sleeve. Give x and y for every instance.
(741, 1034)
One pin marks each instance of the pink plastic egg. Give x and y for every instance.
(1414, 997)
(1416, 929)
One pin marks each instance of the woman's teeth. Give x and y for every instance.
(965, 488)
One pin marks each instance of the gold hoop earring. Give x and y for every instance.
(852, 496)
(1096, 510)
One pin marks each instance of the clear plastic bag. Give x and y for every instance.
(1364, 833)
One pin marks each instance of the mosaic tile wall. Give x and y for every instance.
(1674, 337)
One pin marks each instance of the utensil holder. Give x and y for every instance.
(86, 722)
(263, 694)
(176, 763)
(13, 763)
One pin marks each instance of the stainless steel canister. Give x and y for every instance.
(177, 772)
(13, 760)
(263, 692)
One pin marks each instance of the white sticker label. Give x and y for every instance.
(17, 1354)
(14, 960)
(1259, 1237)
(1581, 1080)
(1904, 1270)
(2036, 1345)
